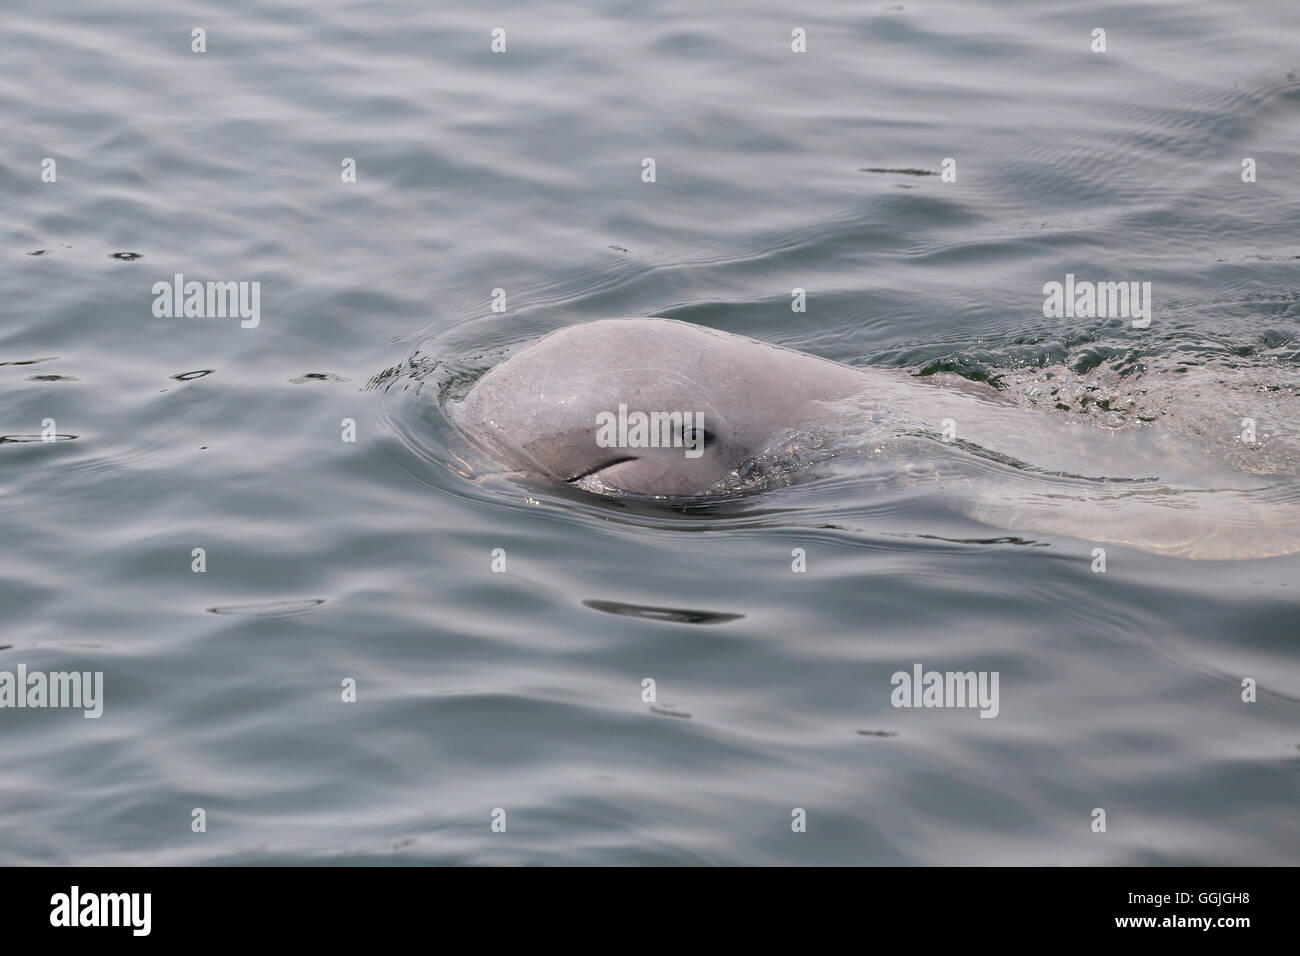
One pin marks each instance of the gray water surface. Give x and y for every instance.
(372, 561)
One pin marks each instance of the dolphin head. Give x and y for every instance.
(643, 406)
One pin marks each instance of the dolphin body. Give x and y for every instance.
(723, 408)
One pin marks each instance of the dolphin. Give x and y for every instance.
(538, 410)
(663, 409)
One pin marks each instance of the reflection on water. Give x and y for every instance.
(675, 615)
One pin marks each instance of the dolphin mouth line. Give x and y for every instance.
(601, 467)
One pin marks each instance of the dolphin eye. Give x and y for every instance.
(696, 437)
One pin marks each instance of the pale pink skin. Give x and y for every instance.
(538, 410)
(1014, 468)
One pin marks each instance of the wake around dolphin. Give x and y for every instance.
(665, 409)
